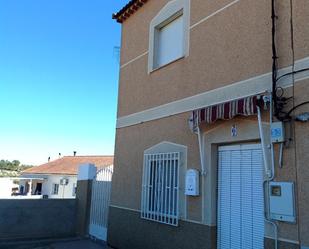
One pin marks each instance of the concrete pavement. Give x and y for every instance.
(60, 244)
(79, 244)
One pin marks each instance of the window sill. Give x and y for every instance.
(167, 64)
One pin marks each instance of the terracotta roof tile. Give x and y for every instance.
(68, 165)
(128, 10)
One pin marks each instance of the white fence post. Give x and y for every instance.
(86, 174)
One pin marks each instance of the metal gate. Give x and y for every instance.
(100, 198)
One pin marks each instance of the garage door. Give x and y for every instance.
(240, 197)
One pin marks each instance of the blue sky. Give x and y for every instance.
(58, 78)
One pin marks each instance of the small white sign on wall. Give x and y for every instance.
(234, 130)
(192, 183)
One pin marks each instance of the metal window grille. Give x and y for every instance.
(160, 192)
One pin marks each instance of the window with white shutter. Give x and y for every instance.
(169, 34)
(169, 42)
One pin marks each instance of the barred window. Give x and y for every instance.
(160, 193)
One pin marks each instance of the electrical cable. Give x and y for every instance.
(273, 112)
(279, 101)
(291, 73)
(295, 107)
(294, 127)
(274, 56)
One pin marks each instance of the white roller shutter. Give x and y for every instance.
(240, 197)
(170, 42)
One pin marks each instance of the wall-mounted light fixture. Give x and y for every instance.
(303, 117)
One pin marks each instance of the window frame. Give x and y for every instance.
(170, 12)
(157, 42)
(53, 189)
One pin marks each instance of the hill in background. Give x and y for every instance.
(12, 169)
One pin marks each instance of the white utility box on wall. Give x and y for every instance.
(277, 132)
(192, 183)
(282, 201)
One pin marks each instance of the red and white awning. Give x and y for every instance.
(225, 111)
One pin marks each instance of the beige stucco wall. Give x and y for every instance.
(231, 46)
(301, 144)
(218, 135)
(198, 73)
(301, 31)
(138, 26)
(131, 143)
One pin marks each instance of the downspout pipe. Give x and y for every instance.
(264, 147)
(270, 172)
(201, 148)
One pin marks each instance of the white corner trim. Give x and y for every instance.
(214, 13)
(234, 91)
(256, 85)
(135, 59)
(125, 208)
(194, 222)
(166, 146)
(231, 92)
(288, 80)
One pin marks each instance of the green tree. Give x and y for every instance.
(15, 165)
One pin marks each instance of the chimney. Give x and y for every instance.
(48, 159)
(74, 153)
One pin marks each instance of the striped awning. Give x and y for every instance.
(225, 111)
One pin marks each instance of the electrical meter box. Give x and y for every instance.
(277, 132)
(192, 183)
(282, 201)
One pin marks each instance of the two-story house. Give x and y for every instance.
(212, 132)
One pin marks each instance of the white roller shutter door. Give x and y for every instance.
(240, 197)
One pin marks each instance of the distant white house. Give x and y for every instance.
(7, 187)
(57, 179)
